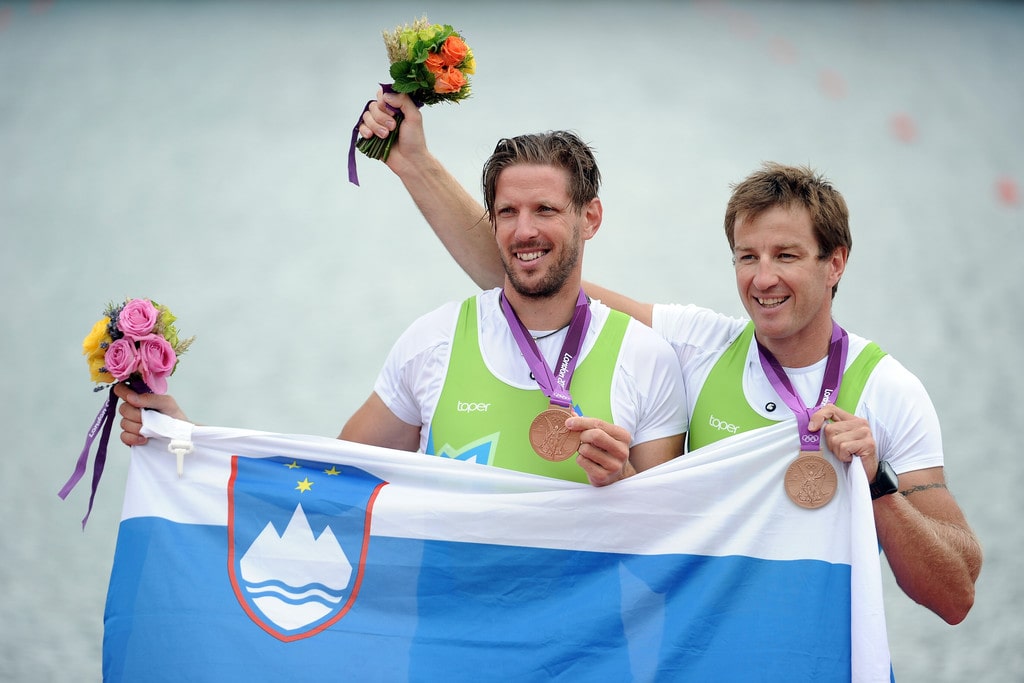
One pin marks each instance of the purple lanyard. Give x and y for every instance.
(555, 387)
(829, 384)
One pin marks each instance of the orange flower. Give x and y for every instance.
(448, 81)
(454, 51)
(435, 63)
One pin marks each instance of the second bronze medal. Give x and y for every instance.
(811, 480)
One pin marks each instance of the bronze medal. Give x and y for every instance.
(549, 437)
(811, 480)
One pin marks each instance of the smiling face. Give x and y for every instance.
(784, 284)
(540, 235)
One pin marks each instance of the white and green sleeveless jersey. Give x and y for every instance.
(458, 373)
(729, 393)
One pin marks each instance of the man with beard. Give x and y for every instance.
(530, 374)
(534, 361)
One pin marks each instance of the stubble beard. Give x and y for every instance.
(556, 277)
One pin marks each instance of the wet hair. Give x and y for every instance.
(793, 186)
(560, 149)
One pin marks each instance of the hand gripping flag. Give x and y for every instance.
(277, 557)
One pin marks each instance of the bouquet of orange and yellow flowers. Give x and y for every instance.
(429, 62)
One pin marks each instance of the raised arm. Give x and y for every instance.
(458, 220)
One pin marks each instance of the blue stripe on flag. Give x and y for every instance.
(428, 608)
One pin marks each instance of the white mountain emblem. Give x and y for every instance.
(295, 579)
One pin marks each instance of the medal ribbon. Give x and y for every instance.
(555, 387)
(833, 377)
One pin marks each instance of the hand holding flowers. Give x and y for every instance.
(137, 343)
(429, 62)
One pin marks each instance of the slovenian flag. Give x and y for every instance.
(293, 558)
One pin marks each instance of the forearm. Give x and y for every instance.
(457, 219)
(642, 312)
(936, 561)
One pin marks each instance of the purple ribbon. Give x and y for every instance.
(353, 176)
(837, 349)
(555, 387)
(105, 420)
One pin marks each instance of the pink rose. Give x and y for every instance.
(156, 361)
(137, 318)
(121, 359)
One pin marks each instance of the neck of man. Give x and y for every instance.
(548, 312)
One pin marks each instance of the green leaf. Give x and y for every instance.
(410, 78)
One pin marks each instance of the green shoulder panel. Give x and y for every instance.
(856, 376)
(722, 409)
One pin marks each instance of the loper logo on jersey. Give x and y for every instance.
(722, 425)
(470, 407)
(298, 534)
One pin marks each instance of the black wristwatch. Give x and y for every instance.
(886, 481)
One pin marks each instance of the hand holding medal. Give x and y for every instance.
(810, 480)
(847, 436)
(549, 436)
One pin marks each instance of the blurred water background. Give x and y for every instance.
(194, 152)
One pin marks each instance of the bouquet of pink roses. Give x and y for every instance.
(135, 342)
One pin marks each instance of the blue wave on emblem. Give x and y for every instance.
(281, 590)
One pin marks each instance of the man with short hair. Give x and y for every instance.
(464, 374)
(789, 234)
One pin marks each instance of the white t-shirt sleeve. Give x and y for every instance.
(413, 375)
(649, 397)
(902, 418)
(692, 330)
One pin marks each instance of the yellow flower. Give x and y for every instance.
(93, 347)
(469, 66)
(92, 344)
(96, 372)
